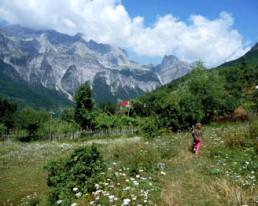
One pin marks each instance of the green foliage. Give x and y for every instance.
(202, 95)
(82, 170)
(144, 171)
(241, 78)
(31, 121)
(198, 99)
(68, 115)
(150, 127)
(236, 140)
(254, 129)
(7, 110)
(208, 90)
(104, 121)
(190, 111)
(83, 106)
(2, 130)
(108, 107)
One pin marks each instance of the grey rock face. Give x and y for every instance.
(171, 68)
(62, 62)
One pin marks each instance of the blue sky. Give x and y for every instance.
(244, 12)
(206, 30)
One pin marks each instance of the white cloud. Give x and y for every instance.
(107, 21)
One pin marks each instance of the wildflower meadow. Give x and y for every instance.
(133, 171)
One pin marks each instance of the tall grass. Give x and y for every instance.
(161, 171)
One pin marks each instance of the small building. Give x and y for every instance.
(124, 104)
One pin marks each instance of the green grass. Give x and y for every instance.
(221, 174)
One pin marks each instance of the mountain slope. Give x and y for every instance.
(59, 62)
(203, 95)
(14, 87)
(171, 68)
(240, 74)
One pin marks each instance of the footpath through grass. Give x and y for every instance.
(218, 175)
(223, 173)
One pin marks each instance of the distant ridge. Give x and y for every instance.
(60, 63)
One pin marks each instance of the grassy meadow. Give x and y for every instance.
(159, 171)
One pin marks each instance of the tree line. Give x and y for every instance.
(201, 96)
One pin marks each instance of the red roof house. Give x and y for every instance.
(125, 103)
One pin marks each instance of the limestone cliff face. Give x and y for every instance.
(171, 68)
(61, 62)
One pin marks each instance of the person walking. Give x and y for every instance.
(197, 134)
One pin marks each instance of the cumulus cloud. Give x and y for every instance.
(210, 40)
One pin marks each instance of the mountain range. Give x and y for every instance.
(49, 67)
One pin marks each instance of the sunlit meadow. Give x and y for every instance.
(159, 171)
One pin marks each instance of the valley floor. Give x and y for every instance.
(218, 175)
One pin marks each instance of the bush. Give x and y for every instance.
(81, 170)
(150, 127)
(235, 140)
(244, 138)
(239, 114)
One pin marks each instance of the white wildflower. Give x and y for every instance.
(79, 194)
(112, 198)
(126, 201)
(59, 202)
(135, 183)
(127, 188)
(97, 186)
(75, 189)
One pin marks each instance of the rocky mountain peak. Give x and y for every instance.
(171, 68)
(169, 60)
(61, 62)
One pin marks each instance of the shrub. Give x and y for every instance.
(81, 170)
(150, 127)
(239, 114)
(234, 140)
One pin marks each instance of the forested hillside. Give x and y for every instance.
(203, 94)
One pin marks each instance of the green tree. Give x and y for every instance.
(208, 90)
(31, 121)
(104, 121)
(7, 110)
(107, 107)
(83, 106)
(190, 109)
(67, 115)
